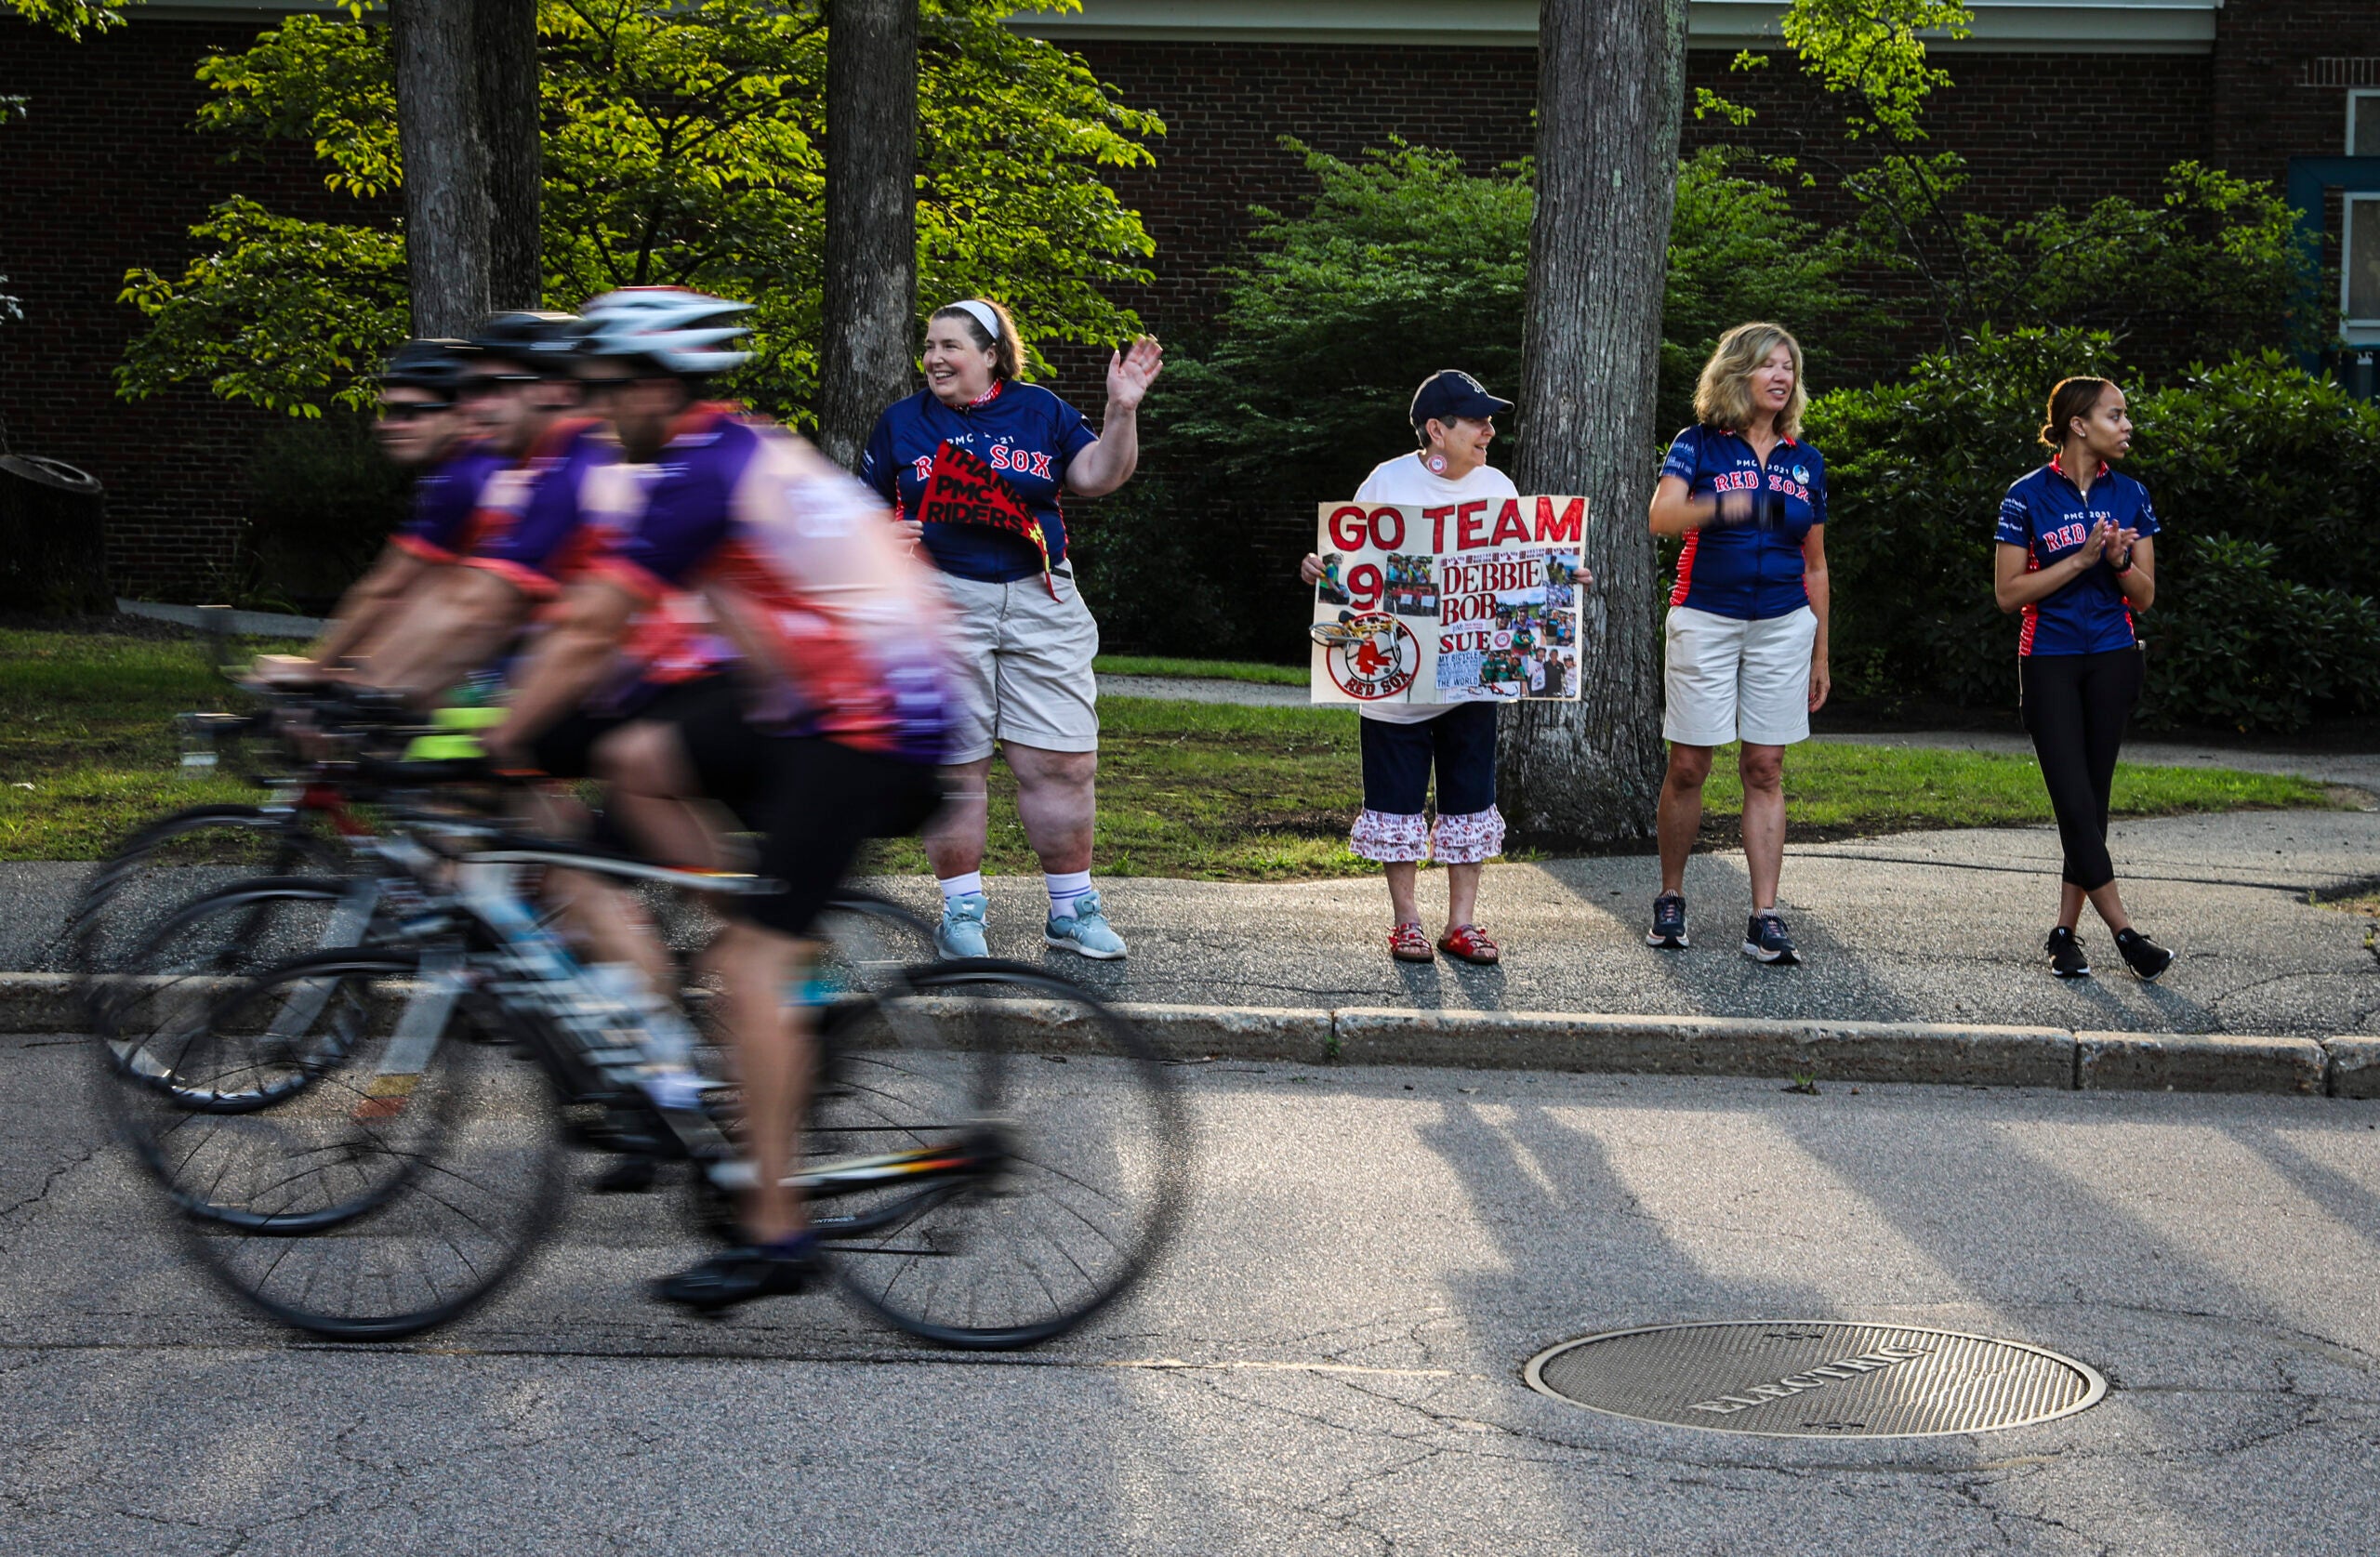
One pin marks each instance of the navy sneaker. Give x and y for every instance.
(1669, 922)
(2145, 958)
(2066, 958)
(1765, 941)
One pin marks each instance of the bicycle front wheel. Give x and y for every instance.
(401, 1188)
(1075, 1137)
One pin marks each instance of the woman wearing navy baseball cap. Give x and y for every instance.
(1454, 420)
(2076, 555)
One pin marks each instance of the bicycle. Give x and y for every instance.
(392, 1178)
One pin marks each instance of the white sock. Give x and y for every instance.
(1065, 890)
(959, 886)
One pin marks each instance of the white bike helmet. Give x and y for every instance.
(676, 330)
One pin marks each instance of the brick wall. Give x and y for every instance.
(2281, 71)
(104, 173)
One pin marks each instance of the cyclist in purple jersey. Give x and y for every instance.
(419, 430)
(2076, 555)
(537, 516)
(843, 638)
(976, 463)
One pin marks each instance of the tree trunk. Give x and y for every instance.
(1611, 80)
(448, 217)
(871, 281)
(506, 36)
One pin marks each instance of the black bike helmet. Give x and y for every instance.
(428, 364)
(536, 340)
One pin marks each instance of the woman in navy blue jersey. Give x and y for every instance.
(977, 462)
(2077, 556)
(1745, 650)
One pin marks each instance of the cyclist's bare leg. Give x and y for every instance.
(655, 797)
(772, 1041)
(606, 917)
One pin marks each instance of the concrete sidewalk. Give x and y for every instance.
(1940, 927)
(1921, 952)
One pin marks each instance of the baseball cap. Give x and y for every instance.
(1451, 392)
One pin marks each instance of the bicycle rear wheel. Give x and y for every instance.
(401, 1188)
(1081, 1133)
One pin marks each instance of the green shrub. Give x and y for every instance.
(2267, 482)
(1406, 263)
(321, 501)
(2244, 647)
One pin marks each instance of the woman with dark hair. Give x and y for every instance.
(2077, 557)
(976, 462)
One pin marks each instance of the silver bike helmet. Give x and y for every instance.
(677, 331)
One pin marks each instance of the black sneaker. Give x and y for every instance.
(1765, 941)
(2066, 956)
(1669, 921)
(2145, 958)
(738, 1276)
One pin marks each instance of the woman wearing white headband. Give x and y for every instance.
(976, 462)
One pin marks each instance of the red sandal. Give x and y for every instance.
(1470, 943)
(1407, 943)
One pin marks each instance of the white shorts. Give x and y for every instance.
(1728, 680)
(1024, 665)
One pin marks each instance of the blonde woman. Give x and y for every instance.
(1746, 651)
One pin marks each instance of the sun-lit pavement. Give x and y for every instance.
(1328, 1363)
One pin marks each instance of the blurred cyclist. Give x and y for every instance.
(847, 705)
(419, 430)
(536, 517)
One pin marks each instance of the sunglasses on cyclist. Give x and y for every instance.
(483, 383)
(412, 410)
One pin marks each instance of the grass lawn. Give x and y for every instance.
(1209, 670)
(1214, 791)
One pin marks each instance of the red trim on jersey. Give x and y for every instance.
(414, 546)
(1685, 568)
(2061, 469)
(2032, 611)
(529, 581)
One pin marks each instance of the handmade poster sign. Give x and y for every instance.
(1427, 605)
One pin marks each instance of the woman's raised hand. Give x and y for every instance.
(1131, 372)
(1310, 570)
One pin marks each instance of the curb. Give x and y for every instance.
(1923, 1052)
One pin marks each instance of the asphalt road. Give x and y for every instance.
(1328, 1363)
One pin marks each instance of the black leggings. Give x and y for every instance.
(2075, 706)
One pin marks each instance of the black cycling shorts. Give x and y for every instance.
(814, 802)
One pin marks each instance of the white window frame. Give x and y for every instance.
(2361, 332)
(2363, 106)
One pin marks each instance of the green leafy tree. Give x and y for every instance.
(682, 147)
(70, 16)
(1405, 263)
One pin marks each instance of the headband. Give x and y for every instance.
(981, 313)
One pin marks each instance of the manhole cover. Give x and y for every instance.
(1816, 1379)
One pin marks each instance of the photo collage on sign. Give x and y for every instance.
(1528, 644)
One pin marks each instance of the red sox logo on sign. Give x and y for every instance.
(1378, 660)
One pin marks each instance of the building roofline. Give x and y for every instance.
(1999, 26)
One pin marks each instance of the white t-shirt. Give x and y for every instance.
(1406, 479)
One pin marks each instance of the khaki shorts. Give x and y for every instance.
(1023, 667)
(1725, 680)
